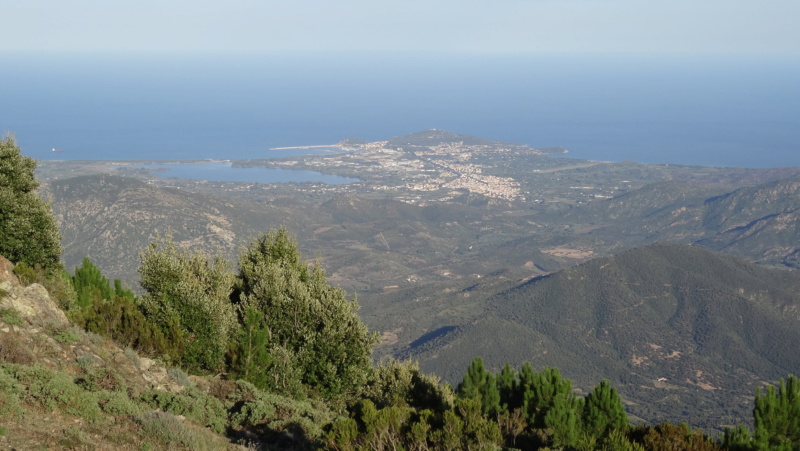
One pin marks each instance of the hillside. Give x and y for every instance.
(758, 223)
(679, 329)
(63, 388)
(365, 243)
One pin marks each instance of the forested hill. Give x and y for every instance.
(758, 223)
(677, 328)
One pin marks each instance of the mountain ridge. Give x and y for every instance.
(663, 320)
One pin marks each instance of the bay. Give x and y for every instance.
(714, 110)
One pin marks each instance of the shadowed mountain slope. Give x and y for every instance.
(674, 326)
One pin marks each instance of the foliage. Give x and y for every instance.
(187, 298)
(90, 284)
(121, 320)
(118, 403)
(28, 230)
(113, 312)
(666, 437)
(402, 382)
(603, 411)
(170, 431)
(314, 331)
(67, 336)
(251, 356)
(11, 316)
(191, 403)
(776, 416)
(292, 423)
(51, 389)
(480, 384)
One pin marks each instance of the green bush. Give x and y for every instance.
(313, 326)
(10, 391)
(51, 389)
(118, 403)
(67, 336)
(170, 431)
(279, 417)
(12, 317)
(191, 403)
(187, 296)
(121, 320)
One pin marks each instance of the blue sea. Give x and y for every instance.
(696, 110)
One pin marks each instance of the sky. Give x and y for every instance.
(483, 26)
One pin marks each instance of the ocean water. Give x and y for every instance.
(709, 110)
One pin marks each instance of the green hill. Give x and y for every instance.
(665, 323)
(758, 223)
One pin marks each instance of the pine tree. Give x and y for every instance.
(563, 418)
(506, 385)
(28, 230)
(90, 284)
(539, 397)
(776, 416)
(253, 356)
(480, 384)
(603, 411)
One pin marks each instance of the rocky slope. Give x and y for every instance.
(63, 388)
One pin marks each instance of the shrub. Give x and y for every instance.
(12, 317)
(312, 325)
(67, 336)
(121, 320)
(170, 431)
(278, 418)
(10, 391)
(191, 403)
(187, 297)
(51, 389)
(118, 403)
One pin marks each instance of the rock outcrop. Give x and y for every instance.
(33, 302)
(42, 334)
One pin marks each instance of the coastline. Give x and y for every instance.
(322, 146)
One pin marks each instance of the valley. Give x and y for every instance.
(457, 246)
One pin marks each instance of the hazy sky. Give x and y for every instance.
(705, 26)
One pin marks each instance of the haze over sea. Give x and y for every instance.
(697, 110)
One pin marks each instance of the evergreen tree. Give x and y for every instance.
(506, 385)
(253, 355)
(540, 396)
(480, 384)
(525, 380)
(563, 418)
(28, 230)
(90, 284)
(776, 416)
(187, 297)
(603, 411)
(309, 321)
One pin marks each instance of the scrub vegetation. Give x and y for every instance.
(272, 356)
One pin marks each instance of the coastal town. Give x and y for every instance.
(435, 172)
